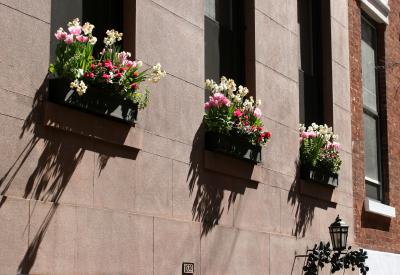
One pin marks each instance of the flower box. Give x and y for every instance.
(327, 179)
(234, 146)
(99, 101)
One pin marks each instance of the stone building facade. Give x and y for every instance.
(84, 195)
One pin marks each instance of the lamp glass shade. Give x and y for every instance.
(339, 231)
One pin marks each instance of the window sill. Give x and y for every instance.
(233, 167)
(92, 126)
(376, 207)
(377, 9)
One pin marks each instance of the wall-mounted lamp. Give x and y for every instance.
(339, 231)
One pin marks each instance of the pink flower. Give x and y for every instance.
(69, 39)
(130, 63)
(237, 113)
(82, 38)
(75, 30)
(207, 105)
(60, 35)
(91, 75)
(106, 76)
(334, 145)
(118, 75)
(312, 134)
(257, 113)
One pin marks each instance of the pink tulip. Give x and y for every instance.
(60, 35)
(75, 30)
(69, 39)
(82, 38)
(130, 63)
(257, 113)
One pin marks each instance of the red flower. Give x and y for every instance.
(118, 75)
(91, 75)
(268, 134)
(237, 113)
(134, 86)
(106, 76)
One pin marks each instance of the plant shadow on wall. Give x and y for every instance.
(60, 154)
(304, 205)
(210, 189)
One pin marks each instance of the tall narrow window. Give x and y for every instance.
(108, 15)
(224, 39)
(372, 157)
(315, 72)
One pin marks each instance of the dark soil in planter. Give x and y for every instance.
(237, 147)
(100, 101)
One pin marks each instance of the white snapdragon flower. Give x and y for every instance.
(79, 86)
(92, 40)
(157, 73)
(112, 37)
(248, 105)
(231, 85)
(87, 28)
(139, 64)
(74, 23)
(237, 98)
(258, 103)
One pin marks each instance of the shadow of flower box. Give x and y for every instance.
(237, 147)
(330, 180)
(100, 101)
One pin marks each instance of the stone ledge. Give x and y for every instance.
(376, 207)
(317, 191)
(232, 167)
(88, 125)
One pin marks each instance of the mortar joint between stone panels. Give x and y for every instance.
(341, 65)
(278, 23)
(177, 15)
(16, 93)
(177, 77)
(340, 23)
(27, 14)
(2, 114)
(278, 72)
(171, 139)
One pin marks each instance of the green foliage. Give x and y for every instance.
(219, 120)
(72, 60)
(322, 254)
(310, 150)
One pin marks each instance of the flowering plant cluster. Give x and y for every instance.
(230, 112)
(319, 148)
(112, 68)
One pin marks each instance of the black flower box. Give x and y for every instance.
(320, 177)
(237, 147)
(99, 101)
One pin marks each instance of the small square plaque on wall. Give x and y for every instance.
(187, 268)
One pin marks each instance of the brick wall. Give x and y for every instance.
(373, 231)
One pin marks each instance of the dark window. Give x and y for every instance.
(104, 14)
(371, 95)
(225, 39)
(315, 71)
